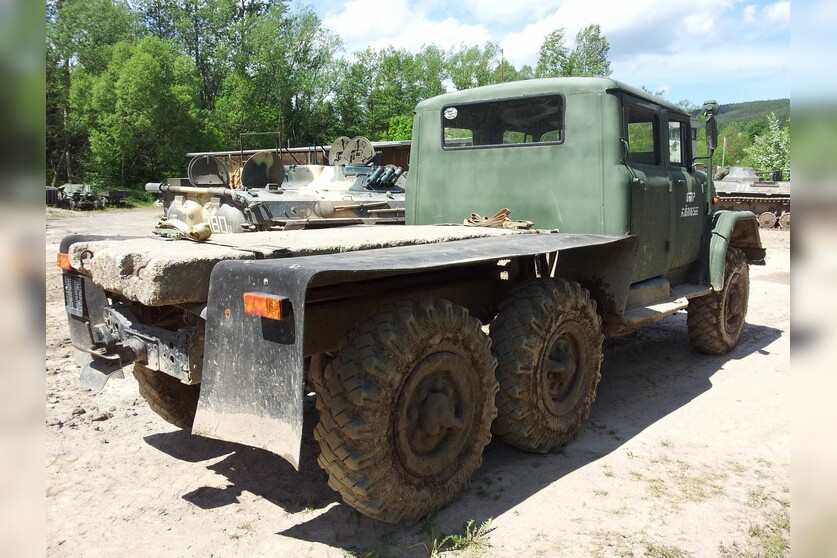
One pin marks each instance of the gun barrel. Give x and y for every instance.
(160, 187)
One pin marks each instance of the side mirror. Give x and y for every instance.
(711, 133)
(709, 110)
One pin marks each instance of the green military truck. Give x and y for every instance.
(386, 324)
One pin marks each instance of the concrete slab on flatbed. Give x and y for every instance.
(157, 272)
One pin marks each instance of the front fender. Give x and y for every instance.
(739, 229)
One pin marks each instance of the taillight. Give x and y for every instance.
(265, 305)
(64, 262)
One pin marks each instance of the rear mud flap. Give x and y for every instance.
(251, 391)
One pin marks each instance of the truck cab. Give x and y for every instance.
(577, 155)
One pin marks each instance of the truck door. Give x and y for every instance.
(688, 191)
(651, 199)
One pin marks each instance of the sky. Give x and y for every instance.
(728, 50)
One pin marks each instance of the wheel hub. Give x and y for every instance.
(735, 305)
(562, 366)
(433, 414)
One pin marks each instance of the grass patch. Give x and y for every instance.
(767, 539)
(610, 543)
(737, 467)
(676, 481)
(653, 550)
(472, 537)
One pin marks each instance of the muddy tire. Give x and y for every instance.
(173, 400)
(547, 338)
(716, 320)
(316, 366)
(406, 409)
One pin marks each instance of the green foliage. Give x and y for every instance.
(472, 66)
(133, 84)
(754, 111)
(734, 151)
(80, 36)
(140, 113)
(379, 86)
(400, 127)
(587, 59)
(83, 32)
(213, 33)
(283, 85)
(472, 537)
(553, 55)
(771, 149)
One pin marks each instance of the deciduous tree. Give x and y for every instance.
(589, 57)
(141, 113)
(771, 150)
(553, 55)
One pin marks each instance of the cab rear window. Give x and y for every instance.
(519, 121)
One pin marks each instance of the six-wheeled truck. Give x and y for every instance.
(387, 323)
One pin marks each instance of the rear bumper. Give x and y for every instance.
(110, 333)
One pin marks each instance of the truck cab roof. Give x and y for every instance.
(564, 85)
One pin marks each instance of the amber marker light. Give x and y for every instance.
(64, 262)
(715, 200)
(265, 305)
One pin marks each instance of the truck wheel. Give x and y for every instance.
(548, 339)
(170, 398)
(406, 409)
(716, 320)
(316, 367)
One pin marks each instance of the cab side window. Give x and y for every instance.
(643, 131)
(678, 134)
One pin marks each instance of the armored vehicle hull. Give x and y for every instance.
(743, 189)
(229, 194)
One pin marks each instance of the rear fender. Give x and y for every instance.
(252, 388)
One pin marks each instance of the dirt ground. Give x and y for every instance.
(683, 455)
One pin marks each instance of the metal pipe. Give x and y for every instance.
(159, 187)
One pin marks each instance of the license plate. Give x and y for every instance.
(74, 294)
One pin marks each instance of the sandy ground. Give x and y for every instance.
(683, 455)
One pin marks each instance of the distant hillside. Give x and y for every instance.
(753, 110)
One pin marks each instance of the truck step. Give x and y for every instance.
(678, 300)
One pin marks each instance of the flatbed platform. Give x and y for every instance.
(156, 271)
